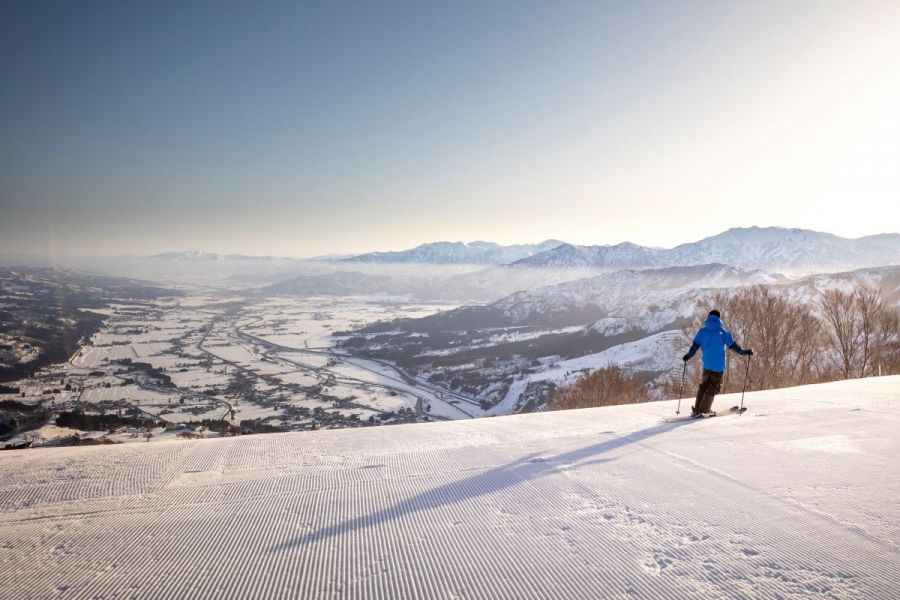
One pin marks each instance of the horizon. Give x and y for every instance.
(7, 256)
(302, 130)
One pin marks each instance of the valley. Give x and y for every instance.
(92, 358)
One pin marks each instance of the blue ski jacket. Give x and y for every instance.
(713, 338)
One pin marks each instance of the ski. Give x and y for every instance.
(734, 410)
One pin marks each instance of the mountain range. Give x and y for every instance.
(203, 255)
(615, 294)
(485, 271)
(769, 248)
(441, 253)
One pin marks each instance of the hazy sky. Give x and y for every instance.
(296, 129)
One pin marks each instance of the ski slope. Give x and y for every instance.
(798, 498)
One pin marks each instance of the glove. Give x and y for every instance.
(748, 352)
(686, 357)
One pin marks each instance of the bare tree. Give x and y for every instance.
(807, 365)
(887, 348)
(869, 306)
(847, 333)
(842, 333)
(785, 334)
(604, 387)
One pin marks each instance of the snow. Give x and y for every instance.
(46, 433)
(306, 358)
(630, 294)
(311, 322)
(798, 498)
(770, 248)
(652, 353)
(197, 379)
(458, 253)
(134, 394)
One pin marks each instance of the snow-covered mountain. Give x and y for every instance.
(797, 498)
(202, 255)
(622, 256)
(494, 283)
(769, 248)
(479, 253)
(790, 250)
(586, 300)
(886, 279)
(627, 288)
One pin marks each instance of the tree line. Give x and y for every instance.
(844, 333)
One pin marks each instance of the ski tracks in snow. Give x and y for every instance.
(603, 503)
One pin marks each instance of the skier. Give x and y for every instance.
(713, 338)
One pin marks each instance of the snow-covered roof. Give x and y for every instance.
(799, 497)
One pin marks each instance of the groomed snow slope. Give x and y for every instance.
(798, 498)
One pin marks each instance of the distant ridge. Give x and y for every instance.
(624, 255)
(200, 255)
(486, 253)
(589, 299)
(770, 248)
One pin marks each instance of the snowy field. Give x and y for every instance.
(208, 362)
(798, 498)
(301, 322)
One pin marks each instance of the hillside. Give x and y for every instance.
(798, 498)
(589, 299)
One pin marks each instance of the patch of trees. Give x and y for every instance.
(242, 386)
(77, 440)
(218, 425)
(57, 343)
(90, 422)
(841, 334)
(16, 405)
(604, 387)
(844, 334)
(862, 334)
(249, 426)
(156, 373)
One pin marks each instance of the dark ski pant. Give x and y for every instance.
(709, 387)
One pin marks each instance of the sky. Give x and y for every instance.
(300, 129)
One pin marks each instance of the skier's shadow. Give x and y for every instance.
(527, 468)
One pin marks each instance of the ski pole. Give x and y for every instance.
(681, 391)
(746, 377)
